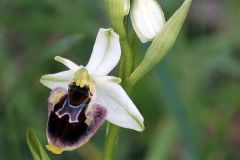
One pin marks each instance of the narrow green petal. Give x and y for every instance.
(71, 65)
(107, 79)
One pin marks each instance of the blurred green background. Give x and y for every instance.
(190, 101)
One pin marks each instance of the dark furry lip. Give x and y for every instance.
(72, 121)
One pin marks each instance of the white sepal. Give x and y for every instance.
(61, 79)
(106, 53)
(121, 110)
(147, 19)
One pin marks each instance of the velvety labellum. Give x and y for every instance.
(73, 120)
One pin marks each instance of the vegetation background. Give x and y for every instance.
(190, 102)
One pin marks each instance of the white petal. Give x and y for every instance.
(121, 110)
(71, 65)
(61, 79)
(147, 19)
(106, 79)
(106, 53)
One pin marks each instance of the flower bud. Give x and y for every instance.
(147, 19)
(118, 8)
(126, 7)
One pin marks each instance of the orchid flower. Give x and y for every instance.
(84, 96)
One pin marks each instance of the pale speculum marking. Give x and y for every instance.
(72, 111)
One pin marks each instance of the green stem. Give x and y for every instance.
(126, 63)
(111, 141)
(118, 19)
